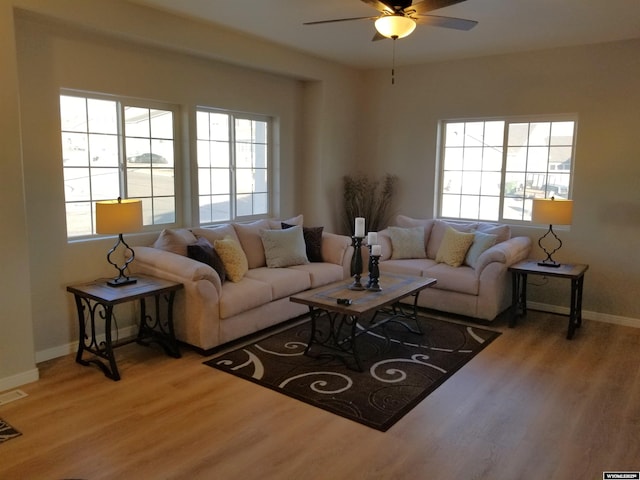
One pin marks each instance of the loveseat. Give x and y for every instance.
(238, 277)
(469, 260)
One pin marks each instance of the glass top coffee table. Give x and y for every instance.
(346, 314)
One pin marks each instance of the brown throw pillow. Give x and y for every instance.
(312, 240)
(203, 251)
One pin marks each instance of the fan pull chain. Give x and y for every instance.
(393, 63)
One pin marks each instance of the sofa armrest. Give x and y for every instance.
(160, 263)
(337, 249)
(508, 252)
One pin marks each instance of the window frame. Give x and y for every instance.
(508, 120)
(234, 115)
(122, 102)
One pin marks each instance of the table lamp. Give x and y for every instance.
(551, 212)
(119, 216)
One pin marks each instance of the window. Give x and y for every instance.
(98, 134)
(492, 169)
(233, 165)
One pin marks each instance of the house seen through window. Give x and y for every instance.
(233, 165)
(492, 169)
(116, 148)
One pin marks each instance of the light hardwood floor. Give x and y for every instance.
(532, 405)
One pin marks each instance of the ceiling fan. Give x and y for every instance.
(398, 18)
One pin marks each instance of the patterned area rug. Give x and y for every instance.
(7, 432)
(400, 368)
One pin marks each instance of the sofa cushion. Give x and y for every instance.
(175, 240)
(481, 242)
(233, 258)
(249, 236)
(321, 273)
(502, 232)
(438, 231)
(416, 267)
(462, 279)
(204, 252)
(238, 297)
(454, 247)
(284, 248)
(407, 242)
(283, 281)
(217, 232)
(275, 224)
(312, 240)
(408, 222)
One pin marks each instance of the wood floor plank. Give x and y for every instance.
(531, 405)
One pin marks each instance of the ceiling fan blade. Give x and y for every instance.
(338, 20)
(379, 5)
(427, 6)
(447, 22)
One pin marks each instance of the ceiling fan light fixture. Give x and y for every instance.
(395, 26)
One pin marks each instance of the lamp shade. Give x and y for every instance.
(119, 216)
(551, 211)
(395, 26)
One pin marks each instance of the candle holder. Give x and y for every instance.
(356, 264)
(370, 247)
(374, 274)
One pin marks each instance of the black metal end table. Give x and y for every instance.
(95, 301)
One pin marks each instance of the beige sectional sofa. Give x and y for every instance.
(212, 310)
(470, 264)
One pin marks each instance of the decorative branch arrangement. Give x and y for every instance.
(368, 198)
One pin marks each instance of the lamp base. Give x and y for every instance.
(121, 281)
(548, 264)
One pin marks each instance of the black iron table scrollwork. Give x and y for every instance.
(343, 322)
(95, 302)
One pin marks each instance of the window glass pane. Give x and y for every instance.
(139, 183)
(454, 134)
(137, 122)
(103, 150)
(469, 206)
(539, 133)
(164, 210)
(452, 182)
(260, 204)
(105, 183)
(79, 218)
(161, 124)
(75, 149)
(103, 116)
(518, 134)
(73, 114)
(474, 134)
(77, 184)
(219, 126)
(492, 159)
(451, 206)
(562, 133)
(494, 134)
(453, 158)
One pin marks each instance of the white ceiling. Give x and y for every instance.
(505, 26)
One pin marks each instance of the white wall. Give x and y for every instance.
(598, 82)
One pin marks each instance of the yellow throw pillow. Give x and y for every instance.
(233, 258)
(454, 247)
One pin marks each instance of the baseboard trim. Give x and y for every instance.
(587, 314)
(62, 350)
(22, 378)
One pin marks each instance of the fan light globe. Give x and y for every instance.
(395, 26)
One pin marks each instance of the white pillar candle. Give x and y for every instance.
(376, 250)
(359, 227)
(372, 238)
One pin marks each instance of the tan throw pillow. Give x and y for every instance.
(175, 241)
(249, 236)
(407, 242)
(284, 248)
(233, 258)
(454, 247)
